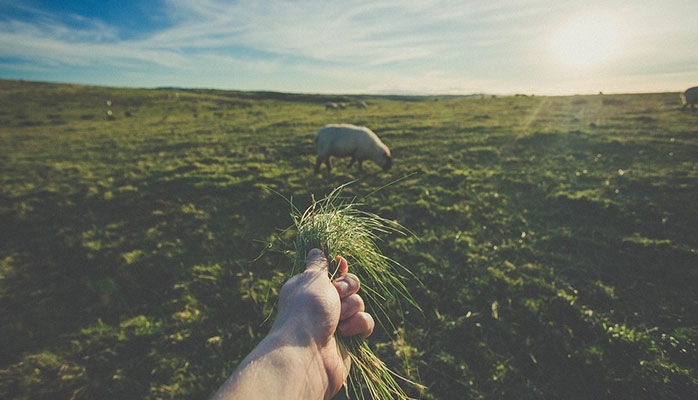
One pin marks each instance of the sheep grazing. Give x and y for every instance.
(360, 104)
(690, 97)
(357, 142)
(331, 106)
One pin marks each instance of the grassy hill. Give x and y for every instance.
(555, 238)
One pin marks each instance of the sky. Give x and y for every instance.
(356, 47)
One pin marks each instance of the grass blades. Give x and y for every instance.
(370, 373)
(336, 226)
(129, 269)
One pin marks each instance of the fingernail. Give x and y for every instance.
(315, 254)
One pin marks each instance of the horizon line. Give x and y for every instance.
(353, 94)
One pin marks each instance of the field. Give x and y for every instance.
(554, 239)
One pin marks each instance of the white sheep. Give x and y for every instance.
(690, 97)
(360, 104)
(331, 106)
(357, 142)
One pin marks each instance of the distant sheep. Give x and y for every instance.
(690, 97)
(360, 104)
(357, 142)
(331, 106)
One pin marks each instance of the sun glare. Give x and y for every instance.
(586, 41)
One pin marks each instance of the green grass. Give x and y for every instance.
(338, 227)
(554, 246)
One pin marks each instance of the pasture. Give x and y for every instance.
(554, 239)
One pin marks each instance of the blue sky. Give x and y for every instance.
(375, 47)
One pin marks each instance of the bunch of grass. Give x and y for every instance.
(335, 225)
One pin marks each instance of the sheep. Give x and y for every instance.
(360, 104)
(331, 106)
(690, 97)
(357, 142)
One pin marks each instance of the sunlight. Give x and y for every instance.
(586, 40)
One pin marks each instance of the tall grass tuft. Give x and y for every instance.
(335, 225)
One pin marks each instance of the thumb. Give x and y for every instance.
(316, 261)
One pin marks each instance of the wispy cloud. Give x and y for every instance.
(438, 45)
(326, 31)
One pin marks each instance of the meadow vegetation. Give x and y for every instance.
(554, 239)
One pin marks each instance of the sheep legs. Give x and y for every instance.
(352, 163)
(318, 163)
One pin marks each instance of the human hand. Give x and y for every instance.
(311, 308)
(299, 358)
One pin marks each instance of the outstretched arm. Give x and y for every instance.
(299, 358)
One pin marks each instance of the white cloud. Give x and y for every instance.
(377, 45)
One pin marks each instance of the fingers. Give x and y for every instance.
(350, 306)
(360, 324)
(347, 285)
(342, 265)
(354, 321)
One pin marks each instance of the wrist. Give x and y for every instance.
(296, 362)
